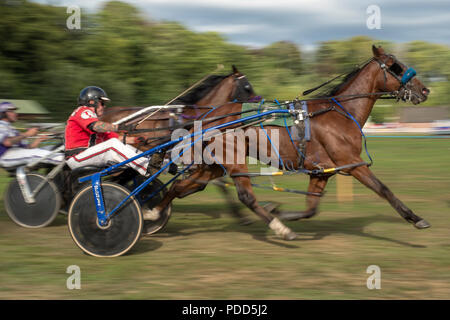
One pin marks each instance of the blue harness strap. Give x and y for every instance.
(270, 141)
(291, 107)
(359, 127)
(204, 115)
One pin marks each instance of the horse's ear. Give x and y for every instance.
(377, 52)
(235, 70)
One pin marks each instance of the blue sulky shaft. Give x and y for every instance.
(95, 178)
(170, 143)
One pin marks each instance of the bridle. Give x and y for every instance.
(243, 89)
(401, 73)
(404, 92)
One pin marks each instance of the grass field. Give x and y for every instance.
(203, 253)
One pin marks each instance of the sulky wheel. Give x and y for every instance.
(119, 235)
(153, 220)
(33, 215)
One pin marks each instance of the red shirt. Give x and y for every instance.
(77, 133)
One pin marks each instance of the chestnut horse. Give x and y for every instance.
(335, 141)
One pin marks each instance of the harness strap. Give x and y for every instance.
(270, 141)
(310, 172)
(306, 120)
(301, 149)
(321, 111)
(360, 130)
(187, 124)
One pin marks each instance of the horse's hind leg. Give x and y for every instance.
(232, 204)
(366, 177)
(197, 181)
(316, 185)
(246, 195)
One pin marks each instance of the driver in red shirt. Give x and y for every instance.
(91, 142)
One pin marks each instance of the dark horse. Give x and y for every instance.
(215, 91)
(335, 141)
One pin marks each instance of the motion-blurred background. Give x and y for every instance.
(146, 52)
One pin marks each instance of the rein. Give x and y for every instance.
(219, 67)
(401, 93)
(360, 66)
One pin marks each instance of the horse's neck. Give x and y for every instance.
(365, 82)
(116, 113)
(217, 97)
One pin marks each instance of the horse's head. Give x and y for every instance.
(398, 78)
(242, 89)
(217, 90)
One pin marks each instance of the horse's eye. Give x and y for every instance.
(248, 87)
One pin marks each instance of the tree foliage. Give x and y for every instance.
(139, 61)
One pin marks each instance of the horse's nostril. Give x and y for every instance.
(425, 91)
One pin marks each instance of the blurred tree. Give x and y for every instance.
(429, 59)
(139, 61)
(336, 57)
(285, 55)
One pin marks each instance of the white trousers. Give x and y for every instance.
(21, 156)
(105, 153)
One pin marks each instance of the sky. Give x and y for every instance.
(257, 23)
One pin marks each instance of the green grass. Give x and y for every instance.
(203, 253)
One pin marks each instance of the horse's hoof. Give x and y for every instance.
(422, 224)
(290, 236)
(151, 214)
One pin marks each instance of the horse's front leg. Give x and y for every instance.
(316, 185)
(366, 177)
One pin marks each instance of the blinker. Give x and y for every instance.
(395, 68)
(408, 75)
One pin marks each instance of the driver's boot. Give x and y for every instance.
(154, 165)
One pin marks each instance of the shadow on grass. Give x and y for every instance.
(212, 210)
(60, 220)
(144, 245)
(307, 230)
(351, 226)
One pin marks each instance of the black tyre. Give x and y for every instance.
(157, 220)
(122, 231)
(33, 215)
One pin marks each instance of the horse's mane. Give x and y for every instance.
(197, 93)
(334, 90)
(189, 98)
